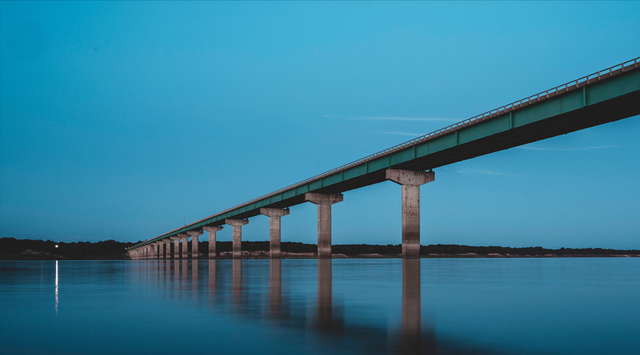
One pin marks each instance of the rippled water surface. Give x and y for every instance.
(357, 306)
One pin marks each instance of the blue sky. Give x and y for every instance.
(124, 120)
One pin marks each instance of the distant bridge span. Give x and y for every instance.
(606, 96)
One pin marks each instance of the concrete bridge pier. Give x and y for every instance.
(324, 202)
(237, 235)
(167, 248)
(212, 239)
(194, 243)
(183, 240)
(274, 215)
(176, 247)
(411, 182)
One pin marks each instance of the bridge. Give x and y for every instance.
(605, 96)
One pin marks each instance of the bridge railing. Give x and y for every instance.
(541, 96)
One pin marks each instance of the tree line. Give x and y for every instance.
(11, 248)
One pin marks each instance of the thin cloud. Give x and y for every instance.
(484, 172)
(573, 149)
(396, 118)
(408, 134)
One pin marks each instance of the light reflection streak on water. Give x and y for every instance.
(56, 291)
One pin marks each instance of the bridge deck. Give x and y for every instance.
(609, 95)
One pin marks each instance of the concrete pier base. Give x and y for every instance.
(237, 235)
(274, 215)
(212, 239)
(411, 182)
(324, 202)
(194, 243)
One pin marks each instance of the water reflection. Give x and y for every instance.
(212, 280)
(326, 311)
(265, 290)
(57, 283)
(244, 285)
(331, 306)
(236, 287)
(275, 287)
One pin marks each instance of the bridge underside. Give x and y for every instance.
(594, 100)
(593, 115)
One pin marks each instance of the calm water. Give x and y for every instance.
(364, 306)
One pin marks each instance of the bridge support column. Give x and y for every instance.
(411, 182)
(212, 239)
(237, 235)
(324, 202)
(176, 247)
(274, 215)
(167, 248)
(185, 248)
(194, 243)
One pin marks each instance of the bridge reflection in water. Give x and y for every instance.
(258, 293)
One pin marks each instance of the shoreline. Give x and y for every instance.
(302, 256)
(27, 249)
